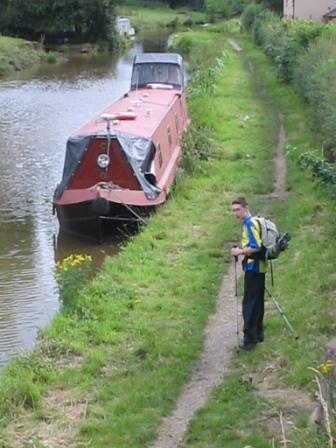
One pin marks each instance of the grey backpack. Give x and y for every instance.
(272, 240)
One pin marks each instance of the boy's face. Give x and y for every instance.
(239, 211)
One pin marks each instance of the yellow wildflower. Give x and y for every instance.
(326, 367)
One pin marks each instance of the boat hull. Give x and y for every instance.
(100, 221)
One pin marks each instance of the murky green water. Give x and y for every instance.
(39, 110)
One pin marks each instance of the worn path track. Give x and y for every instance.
(209, 369)
(220, 331)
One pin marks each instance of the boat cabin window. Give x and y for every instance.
(170, 140)
(177, 123)
(158, 148)
(156, 73)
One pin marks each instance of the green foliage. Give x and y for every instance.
(184, 44)
(282, 40)
(250, 14)
(143, 14)
(274, 5)
(71, 275)
(315, 80)
(197, 142)
(196, 146)
(16, 54)
(217, 9)
(196, 4)
(81, 19)
(303, 52)
(322, 170)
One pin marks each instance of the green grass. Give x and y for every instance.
(144, 15)
(17, 54)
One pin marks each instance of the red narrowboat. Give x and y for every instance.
(121, 164)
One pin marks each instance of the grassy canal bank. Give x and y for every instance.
(17, 54)
(143, 15)
(109, 367)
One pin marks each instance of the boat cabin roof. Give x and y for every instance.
(136, 113)
(157, 68)
(163, 58)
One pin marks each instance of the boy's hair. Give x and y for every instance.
(241, 201)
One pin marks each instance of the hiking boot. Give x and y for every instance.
(248, 346)
(260, 339)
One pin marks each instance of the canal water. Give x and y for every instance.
(39, 110)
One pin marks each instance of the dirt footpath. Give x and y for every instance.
(221, 332)
(209, 370)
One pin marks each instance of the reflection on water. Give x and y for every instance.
(39, 110)
(65, 245)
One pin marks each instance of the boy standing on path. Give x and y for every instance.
(254, 266)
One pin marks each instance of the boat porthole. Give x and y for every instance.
(103, 146)
(103, 161)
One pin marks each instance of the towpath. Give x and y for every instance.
(220, 332)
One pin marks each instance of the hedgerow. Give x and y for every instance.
(315, 80)
(303, 53)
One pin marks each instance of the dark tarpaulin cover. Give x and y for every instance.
(139, 152)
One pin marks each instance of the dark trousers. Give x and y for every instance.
(253, 306)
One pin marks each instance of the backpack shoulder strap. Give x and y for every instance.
(257, 218)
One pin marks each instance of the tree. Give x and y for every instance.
(81, 19)
(195, 4)
(275, 5)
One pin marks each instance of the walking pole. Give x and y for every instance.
(282, 313)
(272, 277)
(236, 294)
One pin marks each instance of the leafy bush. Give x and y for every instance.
(217, 9)
(283, 41)
(238, 6)
(315, 80)
(322, 171)
(305, 53)
(264, 28)
(250, 14)
(80, 19)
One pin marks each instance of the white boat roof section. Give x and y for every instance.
(161, 58)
